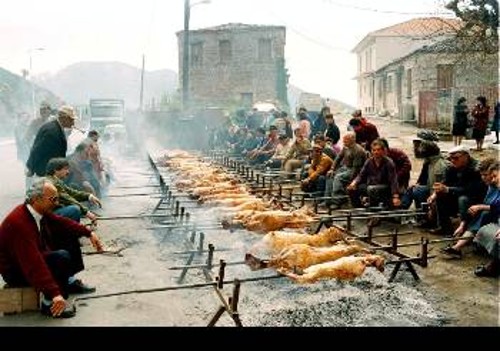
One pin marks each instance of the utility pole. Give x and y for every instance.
(185, 57)
(33, 103)
(141, 96)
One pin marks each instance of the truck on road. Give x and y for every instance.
(104, 112)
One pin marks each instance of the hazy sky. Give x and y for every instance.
(320, 33)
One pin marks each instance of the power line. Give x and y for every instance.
(308, 37)
(361, 8)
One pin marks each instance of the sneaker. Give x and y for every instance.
(450, 251)
(69, 310)
(79, 287)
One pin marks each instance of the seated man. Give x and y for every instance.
(298, 154)
(377, 180)
(462, 187)
(282, 149)
(344, 169)
(265, 152)
(327, 147)
(320, 165)
(433, 170)
(82, 175)
(402, 163)
(70, 200)
(40, 249)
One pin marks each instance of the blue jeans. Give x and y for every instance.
(72, 212)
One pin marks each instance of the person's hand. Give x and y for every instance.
(352, 186)
(460, 230)
(497, 235)
(95, 200)
(92, 216)
(431, 199)
(58, 305)
(439, 188)
(474, 210)
(96, 243)
(396, 201)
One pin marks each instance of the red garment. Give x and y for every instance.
(480, 115)
(365, 134)
(22, 247)
(403, 165)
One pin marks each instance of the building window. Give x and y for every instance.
(265, 49)
(444, 77)
(409, 89)
(197, 55)
(225, 52)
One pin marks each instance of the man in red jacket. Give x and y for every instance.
(41, 249)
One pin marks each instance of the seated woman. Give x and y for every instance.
(481, 214)
(488, 237)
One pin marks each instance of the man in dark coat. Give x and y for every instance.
(50, 142)
(41, 249)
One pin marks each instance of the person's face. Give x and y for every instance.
(66, 121)
(329, 120)
(62, 173)
(316, 153)
(378, 151)
(49, 199)
(459, 160)
(348, 140)
(45, 112)
(495, 178)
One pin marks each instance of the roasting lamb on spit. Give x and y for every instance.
(301, 256)
(345, 268)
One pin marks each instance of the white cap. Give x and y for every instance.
(460, 148)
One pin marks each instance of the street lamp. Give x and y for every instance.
(185, 51)
(30, 51)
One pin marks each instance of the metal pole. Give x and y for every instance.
(32, 87)
(185, 57)
(141, 95)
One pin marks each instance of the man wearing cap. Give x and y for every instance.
(462, 187)
(50, 142)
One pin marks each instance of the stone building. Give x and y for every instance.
(235, 65)
(383, 46)
(428, 82)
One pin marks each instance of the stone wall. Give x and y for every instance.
(218, 80)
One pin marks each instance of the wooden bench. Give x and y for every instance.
(16, 300)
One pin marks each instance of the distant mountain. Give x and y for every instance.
(79, 82)
(294, 99)
(16, 98)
